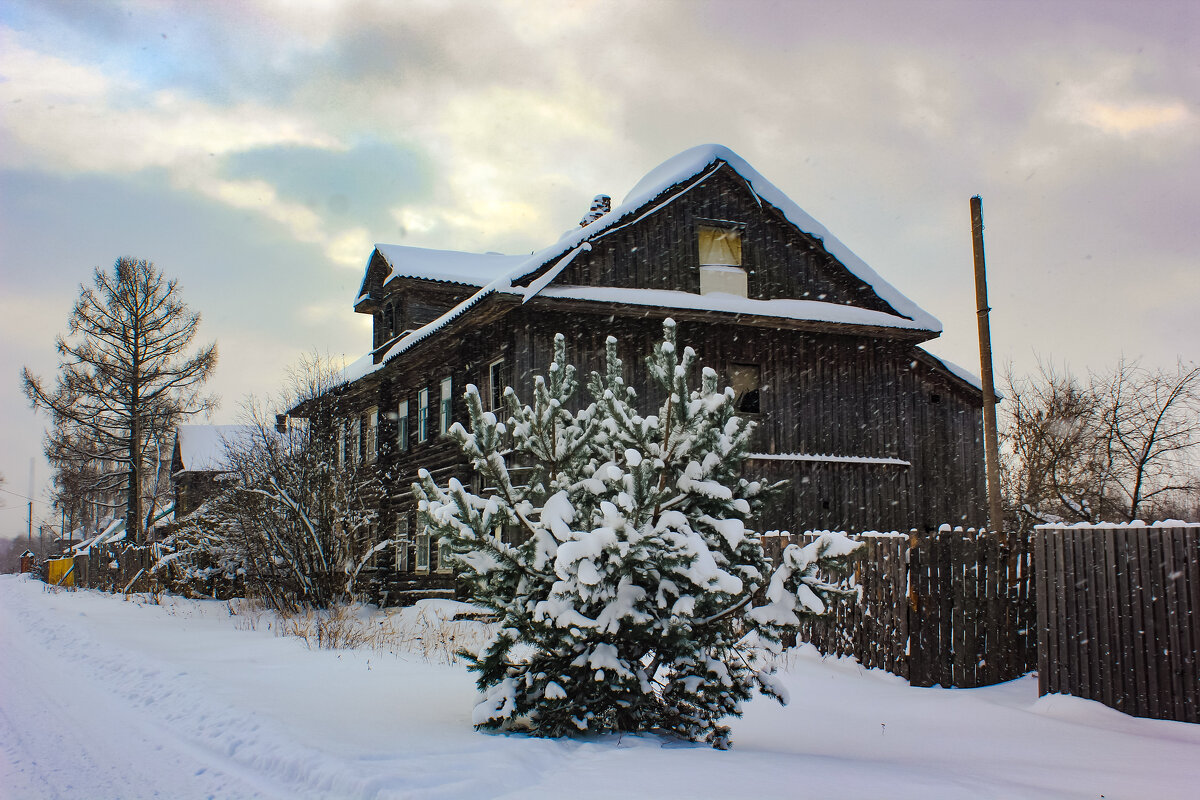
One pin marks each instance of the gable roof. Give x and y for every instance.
(443, 266)
(526, 277)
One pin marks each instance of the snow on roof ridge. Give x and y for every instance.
(822, 458)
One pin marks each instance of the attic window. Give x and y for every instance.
(721, 261)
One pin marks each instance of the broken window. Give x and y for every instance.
(745, 380)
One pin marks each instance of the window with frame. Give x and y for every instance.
(341, 444)
(402, 425)
(422, 415)
(721, 261)
(746, 382)
(369, 543)
(444, 412)
(443, 554)
(402, 542)
(356, 446)
(496, 385)
(372, 437)
(423, 552)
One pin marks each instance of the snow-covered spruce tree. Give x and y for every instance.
(629, 592)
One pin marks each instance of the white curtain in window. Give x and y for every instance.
(720, 247)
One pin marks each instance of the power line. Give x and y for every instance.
(23, 497)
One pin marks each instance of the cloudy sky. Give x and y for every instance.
(256, 151)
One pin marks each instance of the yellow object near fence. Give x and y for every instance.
(58, 569)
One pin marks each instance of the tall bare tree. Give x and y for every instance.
(125, 381)
(1122, 444)
(1151, 432)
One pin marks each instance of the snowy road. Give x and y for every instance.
(101, 698)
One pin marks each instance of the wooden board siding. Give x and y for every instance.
(822, 394)
(661, 250)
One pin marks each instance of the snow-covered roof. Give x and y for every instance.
(692, 167)
(962, 373)
(471, 269)
(202, 447)
(699, 162)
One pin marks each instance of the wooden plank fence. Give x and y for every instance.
(954, 608)
(1119, 616)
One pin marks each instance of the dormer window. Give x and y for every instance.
(721, 261)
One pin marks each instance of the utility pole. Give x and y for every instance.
(30, 499)
(991, 443)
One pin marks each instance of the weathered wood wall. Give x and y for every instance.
(821, 394)
(1119, 616)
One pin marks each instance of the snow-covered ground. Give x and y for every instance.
(105, 698)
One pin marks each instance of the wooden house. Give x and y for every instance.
(197, 462)
(872, 431)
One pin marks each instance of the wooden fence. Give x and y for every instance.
(953, 608)
(122, 567)
(1119, 616)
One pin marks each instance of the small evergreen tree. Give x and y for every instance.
(620, 565)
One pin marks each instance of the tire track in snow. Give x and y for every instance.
(61, 680)
(200, 743)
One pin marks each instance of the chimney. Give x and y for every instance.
(601, 205)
